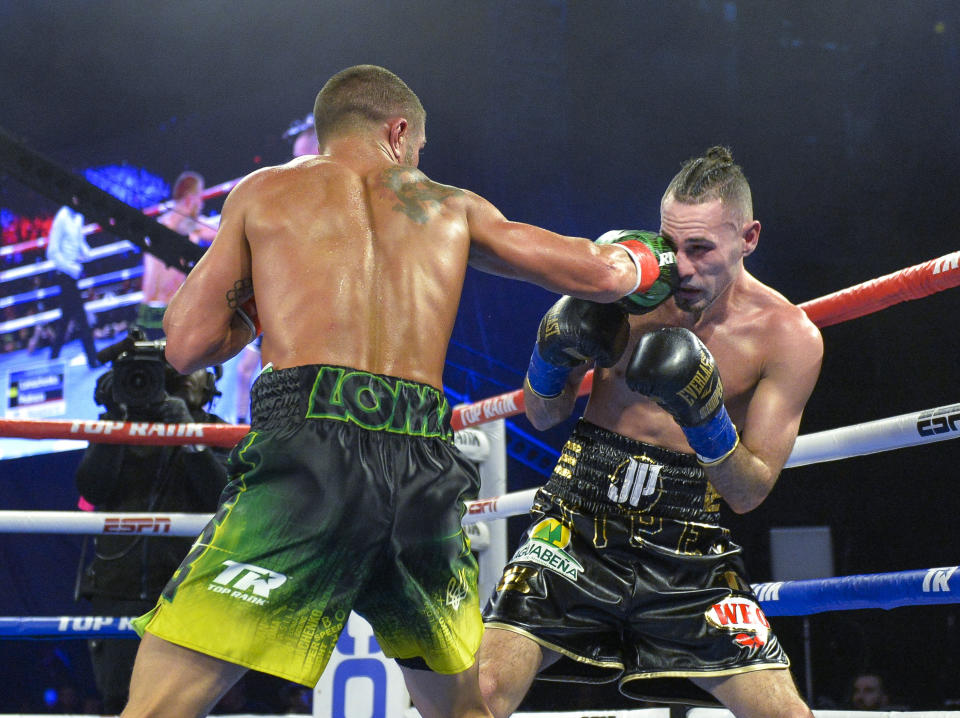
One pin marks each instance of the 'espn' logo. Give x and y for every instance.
(136, 525)
(939, 424)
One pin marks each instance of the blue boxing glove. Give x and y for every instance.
(656, 261)
(571, 333)
(673, 367)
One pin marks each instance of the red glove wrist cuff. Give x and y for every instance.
(648, 268)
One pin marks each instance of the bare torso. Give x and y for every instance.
(361, 270)
(161, 282)
(754, 331)
(356, 258)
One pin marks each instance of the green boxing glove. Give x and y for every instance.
(656, 260)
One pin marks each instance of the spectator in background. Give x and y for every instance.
(868, 692)
(306, 142)
(160, 282)
(67, 248)
(128, 571)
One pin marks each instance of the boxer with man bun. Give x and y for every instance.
(625, 573)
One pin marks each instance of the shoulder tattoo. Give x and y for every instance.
(241, 291)
(416, 195)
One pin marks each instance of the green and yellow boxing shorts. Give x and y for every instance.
(347, 494)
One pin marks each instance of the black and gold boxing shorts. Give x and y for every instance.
(612, 579)
(347, 494)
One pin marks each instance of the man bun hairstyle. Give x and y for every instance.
(361, 95)
(712, 176)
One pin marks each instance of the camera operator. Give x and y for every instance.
(128, 571)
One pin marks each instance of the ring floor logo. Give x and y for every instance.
(359, 681)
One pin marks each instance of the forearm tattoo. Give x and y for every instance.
(242, 290)
(416, 194)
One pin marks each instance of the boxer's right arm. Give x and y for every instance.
(561, 264)
(573, 334)
(544, 413)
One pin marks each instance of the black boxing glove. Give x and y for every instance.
(571, 333)
(673, 367)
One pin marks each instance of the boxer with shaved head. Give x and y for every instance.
(347, 492)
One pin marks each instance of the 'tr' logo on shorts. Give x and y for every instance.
(249, 579)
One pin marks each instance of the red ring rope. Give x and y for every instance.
(914, 282)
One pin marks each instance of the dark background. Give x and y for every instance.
(574, 115)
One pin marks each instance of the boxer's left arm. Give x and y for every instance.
(563, 264)
(673, 367)
(773, 415)
(201, 323)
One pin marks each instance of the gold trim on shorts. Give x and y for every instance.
(557, 649)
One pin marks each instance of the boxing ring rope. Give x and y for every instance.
(886, 591)
(920, 280)
(916, 282)
(897, 432)
(930, 586)
(153, 210)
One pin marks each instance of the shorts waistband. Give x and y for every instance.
(375, 402)
(605, 472)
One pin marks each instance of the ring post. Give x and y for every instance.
(493, 483)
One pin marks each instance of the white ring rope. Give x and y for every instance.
(921, 427)
(896, 432)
